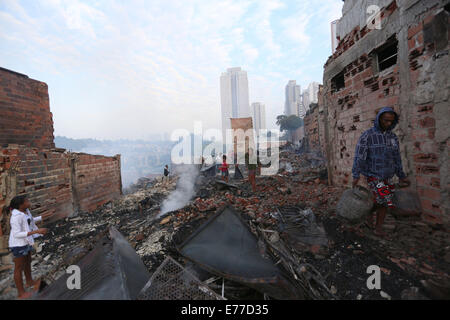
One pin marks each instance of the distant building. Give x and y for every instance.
(259, 116)
(313, 89)
(301, 108)
(293, 92)
(234, 97)
(310, 95)
(306, 99)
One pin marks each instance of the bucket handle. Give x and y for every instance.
(358, 189)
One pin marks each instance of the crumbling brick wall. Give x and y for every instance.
(97, 180)
(321, 121)
(246, 125)
(25, 112)
(58, 182)
(417, 87)
(311, 123)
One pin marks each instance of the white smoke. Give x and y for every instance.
(184, 191)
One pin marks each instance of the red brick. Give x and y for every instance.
(427, 122)
(412, 31)
(427, 170)
(419, 39)
(435, 182)
(425, 158)
(431, 133)
(411, 43)
(428, 19)
(425, 109)
(429, 193)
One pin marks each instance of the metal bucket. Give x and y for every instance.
(355, 204)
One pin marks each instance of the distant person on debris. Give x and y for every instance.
(250, 162)
(166, 174)
(377, 157)
(224, 168)
(21, 240)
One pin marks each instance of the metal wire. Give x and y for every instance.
(173, 282)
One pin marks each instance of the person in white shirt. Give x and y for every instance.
(21, 240)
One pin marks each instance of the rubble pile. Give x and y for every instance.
(141, 183)
(293, 217)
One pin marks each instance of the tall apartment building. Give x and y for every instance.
(259, 116)
(313, 89)
(233, 96)
(293, 93)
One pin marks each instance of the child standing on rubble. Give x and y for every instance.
(224, 168)
(21, 240)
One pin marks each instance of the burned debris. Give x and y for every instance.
(284, 241)
(171, 281)
(110, 271)
(226, 247)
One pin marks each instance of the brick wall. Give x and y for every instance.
(96, 180)
(56, 181)
(416, 87)
(311, 123)
(25, 112)
(244, 124)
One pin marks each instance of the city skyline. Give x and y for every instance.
(134, 69)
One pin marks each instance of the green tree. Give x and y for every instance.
(289, 124)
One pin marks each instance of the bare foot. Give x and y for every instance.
(25, 295)
(35, 285)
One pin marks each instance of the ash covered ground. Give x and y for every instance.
(414, 260)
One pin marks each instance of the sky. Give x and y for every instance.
(132, 68)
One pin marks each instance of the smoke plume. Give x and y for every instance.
(184, 191)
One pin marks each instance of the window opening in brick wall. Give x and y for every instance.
(338, 82)
(387, 54)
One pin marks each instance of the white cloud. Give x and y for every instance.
(295, 29)
(129, 68)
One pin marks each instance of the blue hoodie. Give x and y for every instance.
(377, 153)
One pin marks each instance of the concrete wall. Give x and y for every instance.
(355, 13)
(25, 112)
(56, 181)
(417, 87)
